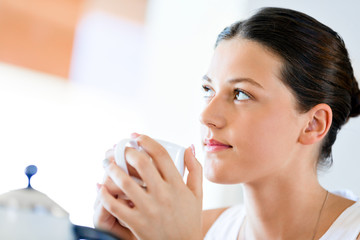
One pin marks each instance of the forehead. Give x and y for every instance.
(241, 58)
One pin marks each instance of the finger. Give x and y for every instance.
(160, 157)
(102, 218)
(120, 231)
(126, 184)
(145, 167)
(113, 188)
(105, 221)
(101, 214)
(194, 178)
(117, 207)
(117, 196)
(134, 135)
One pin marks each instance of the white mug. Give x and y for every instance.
(175, 151)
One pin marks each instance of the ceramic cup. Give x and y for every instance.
(175, 151)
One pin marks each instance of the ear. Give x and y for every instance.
(318, 124)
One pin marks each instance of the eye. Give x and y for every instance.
(241, 95)
(207, 92)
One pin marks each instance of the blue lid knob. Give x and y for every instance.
(30, 171)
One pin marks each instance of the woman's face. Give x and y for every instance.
(250, 125)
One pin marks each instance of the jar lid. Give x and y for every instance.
(29, 199)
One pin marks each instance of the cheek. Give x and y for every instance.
(270, 137)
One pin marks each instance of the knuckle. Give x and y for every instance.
(161, 152)
(121, 181)
(124, 183)
(143, 138)
(142, 163)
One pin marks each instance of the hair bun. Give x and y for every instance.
(355, 104)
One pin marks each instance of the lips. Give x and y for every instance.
(212, 145)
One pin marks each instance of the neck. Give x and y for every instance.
(283, 207)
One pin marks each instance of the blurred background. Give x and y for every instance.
(76, 76)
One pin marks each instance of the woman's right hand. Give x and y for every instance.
(102, 218)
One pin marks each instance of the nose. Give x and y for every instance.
(213, 114)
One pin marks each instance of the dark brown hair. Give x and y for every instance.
(316, 65)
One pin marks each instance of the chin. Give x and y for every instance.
(219, 175)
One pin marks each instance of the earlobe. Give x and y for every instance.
(317, 125)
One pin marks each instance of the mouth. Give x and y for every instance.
(212, 145)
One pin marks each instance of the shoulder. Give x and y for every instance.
(342, 219)
(209, 217)
(223, 223)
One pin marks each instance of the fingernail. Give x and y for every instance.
(98, 186)
(134, 135)
(193, 149)
(106, 162)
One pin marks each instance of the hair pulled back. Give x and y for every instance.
(316, 65)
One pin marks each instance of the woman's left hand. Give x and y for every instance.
(168, 208)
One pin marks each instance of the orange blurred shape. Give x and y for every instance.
(39, 34)
(130, 10)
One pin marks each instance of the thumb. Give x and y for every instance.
(194, 178)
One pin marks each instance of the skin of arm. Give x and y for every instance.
(209, 217)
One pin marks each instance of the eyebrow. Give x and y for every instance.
(236, 80)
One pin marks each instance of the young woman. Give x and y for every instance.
(279, 88)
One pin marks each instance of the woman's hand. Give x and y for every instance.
(168, 208)
(105, 220)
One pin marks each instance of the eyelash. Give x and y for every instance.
(237, 91)
(206, 90)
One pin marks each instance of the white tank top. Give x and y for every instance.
(227, 225)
